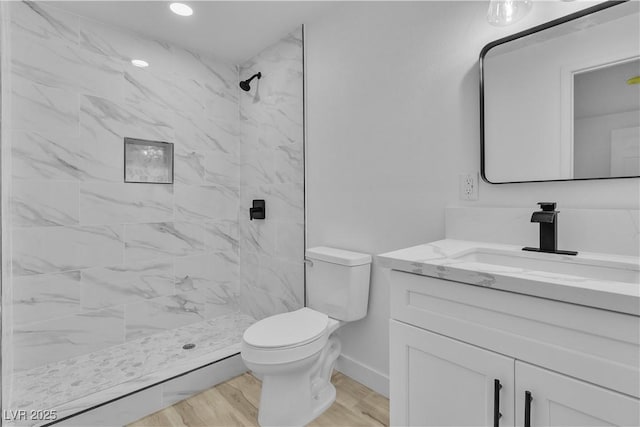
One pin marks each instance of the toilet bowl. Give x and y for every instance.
(295, 364)
(294, 353)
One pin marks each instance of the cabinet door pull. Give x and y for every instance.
(527, 408)
(496, 403)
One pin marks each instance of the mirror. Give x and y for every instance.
(561, 101)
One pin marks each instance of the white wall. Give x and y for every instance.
(593, 152)
(392, 119)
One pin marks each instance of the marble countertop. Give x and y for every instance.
(444, 259)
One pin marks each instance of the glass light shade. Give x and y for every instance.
(505, 12)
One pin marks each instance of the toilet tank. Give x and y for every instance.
(338, 282)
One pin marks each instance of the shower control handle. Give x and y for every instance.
(258, 211)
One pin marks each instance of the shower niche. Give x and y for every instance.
(147, 161)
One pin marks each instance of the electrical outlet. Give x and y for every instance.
(468, 186)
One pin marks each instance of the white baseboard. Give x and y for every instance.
(377, 381)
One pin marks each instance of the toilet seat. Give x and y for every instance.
(286, 337)
(287, 330)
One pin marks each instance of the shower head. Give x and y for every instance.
(244, 85)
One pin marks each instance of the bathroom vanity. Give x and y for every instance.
(487, 334)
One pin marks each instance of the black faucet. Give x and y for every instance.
(548, 219)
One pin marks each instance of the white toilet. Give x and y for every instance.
(294, 353)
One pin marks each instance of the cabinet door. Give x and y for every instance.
(438, 381)
(558, 400)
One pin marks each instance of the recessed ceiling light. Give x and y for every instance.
(181, 9)
(140, 63)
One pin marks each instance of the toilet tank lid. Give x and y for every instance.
(338, 256)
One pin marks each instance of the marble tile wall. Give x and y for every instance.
(272, 168)
(97, 262)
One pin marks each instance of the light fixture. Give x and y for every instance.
(140, 63)
(181, 9)
(505, 12)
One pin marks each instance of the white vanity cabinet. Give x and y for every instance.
(451, 343)
(438, 381)
(559, 400)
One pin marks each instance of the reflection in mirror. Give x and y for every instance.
(606, 111)
(561, 101)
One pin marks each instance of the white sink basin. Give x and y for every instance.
(582, 266)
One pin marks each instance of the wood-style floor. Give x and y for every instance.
(235, 403)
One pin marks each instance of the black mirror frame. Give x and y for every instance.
(536, 29)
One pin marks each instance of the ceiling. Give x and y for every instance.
(605, 90)
(233, 31)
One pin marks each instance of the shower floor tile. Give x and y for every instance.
(82, 382)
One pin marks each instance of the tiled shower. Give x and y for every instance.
(109, 279)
